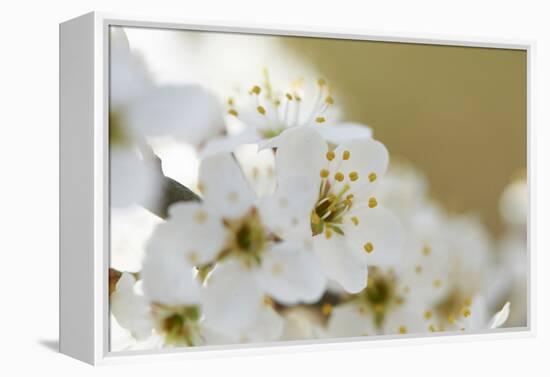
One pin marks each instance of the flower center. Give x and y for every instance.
(282, 110)
(178, 325)
(381, 293)
(327, 216)
(453, 307)
(247, 237)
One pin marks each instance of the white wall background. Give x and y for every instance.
(29, 189)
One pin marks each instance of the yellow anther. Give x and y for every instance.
(315, 219)
(432, 328)
(201, 216)
(451, 319)
(427, 314)
(355, 220)
(233, 112)
(268, 301)
(277, 102)
(466, 313)
(369, 247)
(418, 269)
(350, 197)
(297, 97)
(468, 301)
(261, 110)
(345, 155)
(339, 177)
(353, 176)
(256, 89)
(372, 177)
(402, 330)
(324, 173)
(326, 309)
(320, 119)
(288, 96)
(230, 101)
(426, 250)
(437, 283)
(321, 82)
(330, 155)
(328, 233)
(329, 100)
(372, 202)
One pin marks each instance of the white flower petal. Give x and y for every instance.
(232, 298)
(193, 230)
(405, 319)
(348, 320)
(342, 262)
(131, 310)
(187, 112)
(291, 274)
(301, 154)
(224, 186)
(344, 132)
(267, 327)
(500, 317)
(229, 143)
(169, 279)
(381, 229)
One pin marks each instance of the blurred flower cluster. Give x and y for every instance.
(300, 229)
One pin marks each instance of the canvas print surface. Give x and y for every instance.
(270, 189)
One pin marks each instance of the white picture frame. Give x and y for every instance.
(84, 208)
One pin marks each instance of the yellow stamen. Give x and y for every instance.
(432, 328)
(268, 301)
(324, 173)
(345, 155)
(326, 309)
(320, 119)
(372, 202)
(256, 90)
(349, 197)
(315, 219)
(418, 269)
(372, 177)
(355, 220)
(468, 301)
(328, 233)
(339, 177)
(426, 250)
(329, 100)
(288, 96)
(330, 155)
(230, 101)
(427, 314)
(402, 330)
(261, 110)
(369, 247)
(466, 313)
(451, 319)
(233, 112)
(353, 176)
(437, 283)
(321, 82)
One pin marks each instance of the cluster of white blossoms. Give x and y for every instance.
(298, 232)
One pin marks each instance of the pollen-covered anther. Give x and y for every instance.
(330, 155)
(373, 202)
(339, 176)
(466, 313)
(315, 219)
(355, 220)
(437, 283)
(426, 250)
(268, 301)
(432, 328)
(321, 82)
(326, 309)
(428, 314)
(328, 233)
(329, 100)
(353, 176)
(368, 247)
(261, 110)
(346, 155)
(324, 173)
(201, 217)
(451, 319)
(372, 177)
(418, 269)
(320, 119)
(256, 90)
(230, 101)
(288, 96)
(233, 112)
(402, 329)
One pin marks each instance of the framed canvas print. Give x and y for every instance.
(237, 189)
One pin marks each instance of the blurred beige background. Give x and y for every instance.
(457, 113)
